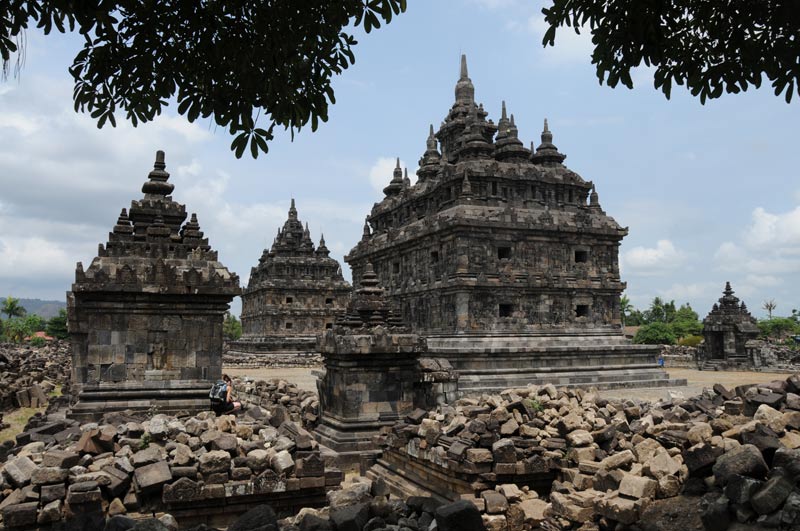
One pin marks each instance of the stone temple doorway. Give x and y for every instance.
(717, 345)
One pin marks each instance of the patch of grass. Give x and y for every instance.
(16, 421)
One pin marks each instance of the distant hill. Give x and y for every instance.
(46, 309)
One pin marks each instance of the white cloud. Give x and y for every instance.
(768, 231)
(763, 281)
(382, 171)
(656, 260)
(681, 293)
(569, 47)
(23, 257)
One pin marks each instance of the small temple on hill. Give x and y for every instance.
(145, 318)
(295, 292)
(504, 259)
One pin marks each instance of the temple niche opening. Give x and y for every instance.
(501, 248)
(295, 292)
(145, 318)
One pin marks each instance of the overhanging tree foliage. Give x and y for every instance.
(711, 46)
(248, 66)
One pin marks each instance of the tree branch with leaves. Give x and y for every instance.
(710, 46)
(250, 67)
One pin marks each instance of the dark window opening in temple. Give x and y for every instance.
(505, 192)
(289, 300)
(581, 257)
(288, 326)
(503, 253)
(582, 310)
(328, 301)
(434, 256)
(396, 268)
(505, 310)
(328, 326)
(494, 188)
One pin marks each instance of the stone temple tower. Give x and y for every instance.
(145, 318)
(295, 292)
(503, 258)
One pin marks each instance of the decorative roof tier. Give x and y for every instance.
(294, 257)
(369, 306)
(730, 309)
(150, 248)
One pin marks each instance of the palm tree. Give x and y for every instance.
(769, 305)
(625, 307)
(12, 308)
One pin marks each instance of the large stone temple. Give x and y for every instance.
(145, 318)
(295, 292)
(504, 259)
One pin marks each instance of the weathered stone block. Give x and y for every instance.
(153, 476)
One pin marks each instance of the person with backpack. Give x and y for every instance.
(221, 395)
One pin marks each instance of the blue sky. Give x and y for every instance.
(710, 193)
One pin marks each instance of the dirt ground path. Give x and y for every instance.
(697, 380)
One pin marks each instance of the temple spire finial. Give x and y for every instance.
(157, 179)
(503, 115)
(465, 90)
(292, 210)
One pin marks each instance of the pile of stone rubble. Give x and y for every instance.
(271, 360)
(298, 405)
(122, 465)
(28, 374)
(738, 449)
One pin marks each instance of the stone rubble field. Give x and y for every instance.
(617, 460)
(29, 374)
(725, 459)
(61, 471)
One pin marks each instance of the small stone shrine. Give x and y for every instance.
(145, 318)
(295, 293)
(370, 373)
(730, 333)
(504, 259)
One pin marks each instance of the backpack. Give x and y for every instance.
(219, 391)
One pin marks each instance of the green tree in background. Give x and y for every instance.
(57, 325)
(656, 333)
(12, 308)
(231, 327)
(248, 66)
(673, 323)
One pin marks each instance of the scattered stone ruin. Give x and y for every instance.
(504, 259)
(145, 318)
(730, 335)
(295, 292)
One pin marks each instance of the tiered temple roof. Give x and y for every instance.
(151, 248)
(296, 289)
(488, 214)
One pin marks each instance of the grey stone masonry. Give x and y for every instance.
(729, 332)
(370, 373)
(504, 259)
(145, 318)
(295, 292)
(493, 237)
